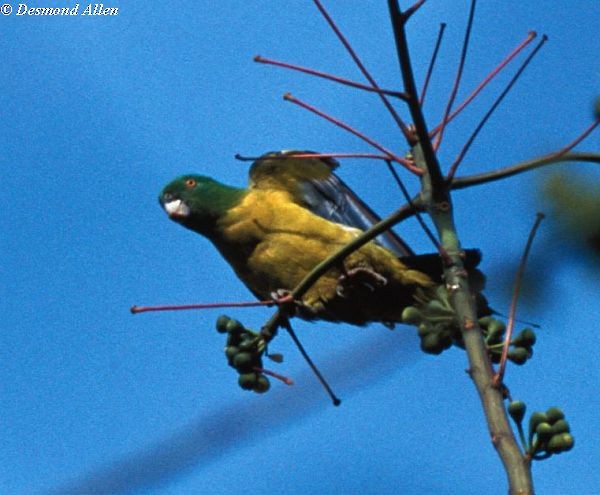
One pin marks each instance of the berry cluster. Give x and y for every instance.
(438, 330)
(521, 346)
(549, 432)
(244, 351)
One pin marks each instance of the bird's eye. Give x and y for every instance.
(190, 183)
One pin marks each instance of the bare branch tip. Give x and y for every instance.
(257, 58)
(288, 97)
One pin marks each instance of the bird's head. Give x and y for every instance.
(197, 201)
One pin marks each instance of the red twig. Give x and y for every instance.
(284, 379)
(495, 105)
(389, 154)
(513, 305)
(461, 64)
(403, 127)
(179, 307)
(331, 77)
(373, 156)
(530, 37)
(576, 141)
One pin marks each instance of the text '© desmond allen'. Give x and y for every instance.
(89, 9)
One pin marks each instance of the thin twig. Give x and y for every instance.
(530, 37)
(463, 57)
(438, 43)
(285, 323)
(412, 9)
(403, 127)
(373, 156)
(331, 77)
(179, 307)
(495, 105)
(499, 377)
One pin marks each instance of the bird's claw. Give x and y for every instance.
(358, 279)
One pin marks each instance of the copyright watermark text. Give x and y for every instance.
(91, 9)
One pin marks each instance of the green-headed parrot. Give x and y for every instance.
(295, 213)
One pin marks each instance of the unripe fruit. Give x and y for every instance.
(247, 381)
(517, 409)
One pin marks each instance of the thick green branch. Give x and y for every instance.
(435, 193)
(476, 179)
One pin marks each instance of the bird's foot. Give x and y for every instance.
(356, 280)
(285, 302)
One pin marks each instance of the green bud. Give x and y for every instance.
(436, 308)
(234, 326)
(411, 316)
(243, 361)
(525, 338)
(248, 381)
(445, 339)
(424, 329)
(535, 419)
(561, 426)
(262, 384)
(231, 351)
(278, 358)
(495, 332)
(431, 344)
(517, 409)
(543, 432)
(485, 321)
(247, 343)
(554, 414)
(560, 443)
(519, 355)
(222, 323)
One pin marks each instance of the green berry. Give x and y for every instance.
(554, 414)
(561, 426)
(431, 344)
(248, 381)
(525, 338)
(535, 419)
(243, 361)
(517, 409)
(222, 323)
(543, 432)
(276, 357)
(424, 329)
(519, 355)
(560, 443)
(234, 326)
(262, 384)
(411, 316)
(231, 351)
(485, 321)
(495, 332)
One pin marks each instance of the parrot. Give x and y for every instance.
(295, 213)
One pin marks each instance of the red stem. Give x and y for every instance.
(389, 154)
(331, 77)
(403, 127)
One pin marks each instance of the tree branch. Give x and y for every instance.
(436, 195)
(477, 179)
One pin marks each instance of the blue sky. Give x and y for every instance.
(98, 114)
